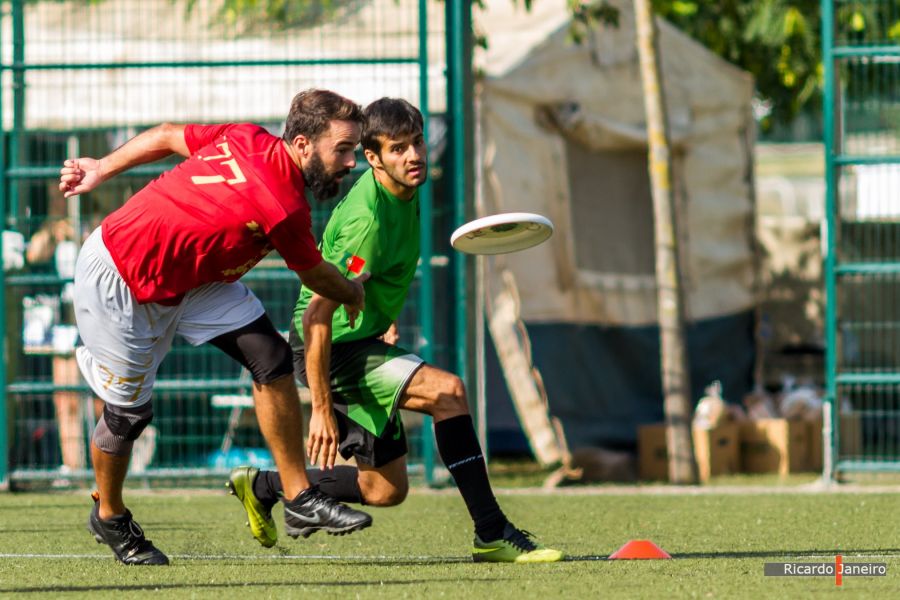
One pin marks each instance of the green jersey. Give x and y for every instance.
(373, 231)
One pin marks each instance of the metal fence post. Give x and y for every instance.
(459, 109)
(829, 446)
(862, 236)
(426, 282)
(4, 417)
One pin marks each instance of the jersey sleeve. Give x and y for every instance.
(294, 240)
(355, 246)
(197, 136)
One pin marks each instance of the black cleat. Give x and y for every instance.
(312, 510)
(126, 538)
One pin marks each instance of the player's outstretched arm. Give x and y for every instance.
(325, 280)
(80, 175)
(323, 438)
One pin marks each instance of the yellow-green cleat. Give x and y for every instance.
(240, 484)
(516, 546)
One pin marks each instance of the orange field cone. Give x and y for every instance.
(639, 549)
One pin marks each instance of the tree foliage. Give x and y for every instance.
(251, 15)
(779, 41)
(248, 16)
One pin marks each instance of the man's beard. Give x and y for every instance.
(322, 185)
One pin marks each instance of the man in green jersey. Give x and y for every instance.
(358, 378)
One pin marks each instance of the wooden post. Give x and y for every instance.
(673, 354)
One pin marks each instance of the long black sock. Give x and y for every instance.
(459, 449)
(267, 488)
(341, 483)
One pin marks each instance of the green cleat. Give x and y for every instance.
(516, 546)
(262, 526)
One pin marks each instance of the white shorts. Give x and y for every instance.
(125, 342)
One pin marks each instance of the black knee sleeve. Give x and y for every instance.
(120, 426)
(128, 423)
(259, 348)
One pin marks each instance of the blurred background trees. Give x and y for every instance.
(779, 42)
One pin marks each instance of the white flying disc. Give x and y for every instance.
(499, 234)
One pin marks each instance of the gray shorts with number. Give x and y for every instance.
(125, 342)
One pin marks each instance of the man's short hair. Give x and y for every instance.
(392, 118)
(313, 110)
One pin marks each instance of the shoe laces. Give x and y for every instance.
(316, 498)
(132, 534)
(521, 539)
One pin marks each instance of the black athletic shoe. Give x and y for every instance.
(312, 510)
(126, 539)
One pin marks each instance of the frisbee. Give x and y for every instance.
(499, 234)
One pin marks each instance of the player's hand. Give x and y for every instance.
(353, 310)
(79, 175)
(323, 437)
(391, 336)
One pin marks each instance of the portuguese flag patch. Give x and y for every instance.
(355, 264)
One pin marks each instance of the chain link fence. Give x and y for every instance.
(84, 76)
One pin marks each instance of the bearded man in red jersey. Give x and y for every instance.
(168, 262)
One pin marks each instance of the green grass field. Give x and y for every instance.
(719, 540)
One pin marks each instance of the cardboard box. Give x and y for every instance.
(653, 458)
(774, 446)
(715, 450)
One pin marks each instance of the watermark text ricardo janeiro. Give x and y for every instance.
(837, 569)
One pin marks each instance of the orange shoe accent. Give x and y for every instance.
(639, 549)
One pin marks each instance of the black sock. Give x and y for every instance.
(340, 483)
(461, 453)
(267, 488)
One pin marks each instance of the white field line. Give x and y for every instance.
(589, 490)
(687, 490)
(389, 559)
(251, 558)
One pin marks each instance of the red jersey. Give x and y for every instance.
(214, 216)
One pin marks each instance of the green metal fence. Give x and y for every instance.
(80, 78)
(861, 52)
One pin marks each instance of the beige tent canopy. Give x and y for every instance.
(562, 133)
